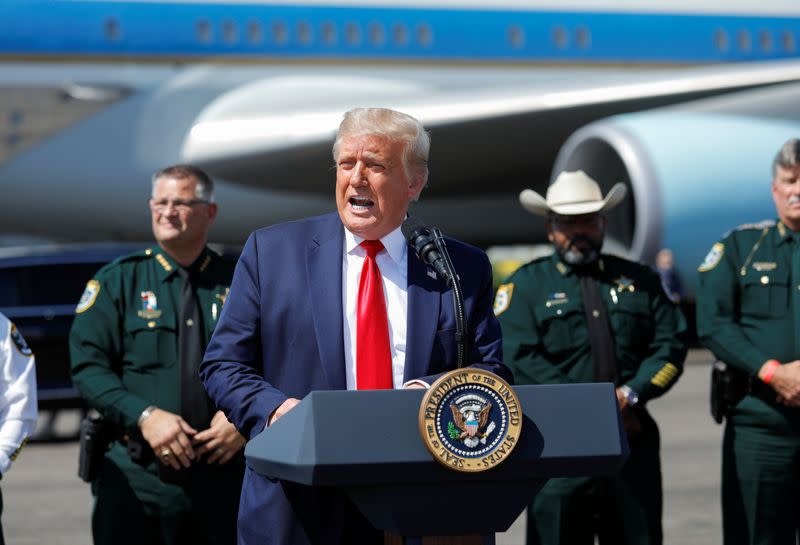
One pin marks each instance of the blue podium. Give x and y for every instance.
(368, 444)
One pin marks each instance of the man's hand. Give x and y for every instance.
(622, 399)
(786, 382)
(221, 439)
(630, 420)
(169, 436)
(284, 408)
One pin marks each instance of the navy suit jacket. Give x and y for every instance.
(280, 335)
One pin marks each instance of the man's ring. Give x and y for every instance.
(220, 451)
(166, 453)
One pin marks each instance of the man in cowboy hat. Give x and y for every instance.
(583, 316)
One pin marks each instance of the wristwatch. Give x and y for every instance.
(630, 394)
(145, 413)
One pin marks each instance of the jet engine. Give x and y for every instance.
(693, 171)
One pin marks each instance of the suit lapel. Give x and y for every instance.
(424, 296)
(324, 270)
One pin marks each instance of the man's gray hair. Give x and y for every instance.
(205, 186)
(788, 156)
(395, 126)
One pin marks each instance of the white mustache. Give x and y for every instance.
(794, 199)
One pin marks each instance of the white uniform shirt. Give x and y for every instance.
(18, 408)
(393, 264)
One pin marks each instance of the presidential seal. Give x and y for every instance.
(470, 420)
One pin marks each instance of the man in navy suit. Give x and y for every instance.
(295, 318)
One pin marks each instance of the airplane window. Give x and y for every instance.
(582, 37)
(352, 34)
(721, 40)
(516, 36)
(377, 36)
(787, 38)
(743, 39)
(328, 33)
(399, 34)
(112, 30)
(255, 34)
(204, 33)
(280, 34)
(304, 35)
(560, 37)
(765, 41)
(229, 32)
(424, 34)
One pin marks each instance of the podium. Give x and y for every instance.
(368, 444)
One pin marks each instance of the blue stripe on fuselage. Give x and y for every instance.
(80, 28)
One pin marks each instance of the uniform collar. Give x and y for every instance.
(167, 266)
(783, 234)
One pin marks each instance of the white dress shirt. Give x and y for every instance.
(18, 408)
(393, 264)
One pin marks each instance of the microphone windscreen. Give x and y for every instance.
(411, 226)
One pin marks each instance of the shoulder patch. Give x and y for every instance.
(89, 296)
(713, 257)
(757, 225)
(502, 299)
(19, 342)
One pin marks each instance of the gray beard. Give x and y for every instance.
(577, 257)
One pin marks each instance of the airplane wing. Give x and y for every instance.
(266, 132)
(500, 126)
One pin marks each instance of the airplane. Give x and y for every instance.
(684, 101)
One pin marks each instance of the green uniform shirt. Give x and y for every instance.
(748, 304)
(546, 340)
(123, 343)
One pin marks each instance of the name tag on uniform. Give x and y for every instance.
(556, 298)
(761, 266)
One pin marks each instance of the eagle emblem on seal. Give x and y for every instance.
(470, 419)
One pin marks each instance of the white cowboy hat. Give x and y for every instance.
(572, 194)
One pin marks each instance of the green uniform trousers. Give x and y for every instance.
(201, 511)
(621, 510)
(760, 486)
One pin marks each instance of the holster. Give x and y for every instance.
(728, 388)
(96, 436)
(138, 449)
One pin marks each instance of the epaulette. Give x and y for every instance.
(758, 225)
(114, 267)
(135, 256)
(532, 263)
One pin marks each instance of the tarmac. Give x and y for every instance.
(45, 502)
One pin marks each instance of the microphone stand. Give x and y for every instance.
(462, 327)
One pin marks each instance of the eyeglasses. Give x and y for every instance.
(179, 205)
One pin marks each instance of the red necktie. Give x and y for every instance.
(373, 355)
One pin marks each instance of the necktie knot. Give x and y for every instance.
(184, 273)
(372, 247)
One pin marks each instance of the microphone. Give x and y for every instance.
(430, 248)
(421, 239)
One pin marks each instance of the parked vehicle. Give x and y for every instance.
(40, 285)
(39, 288)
